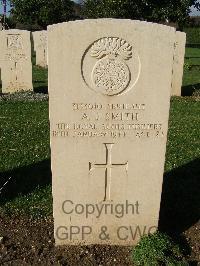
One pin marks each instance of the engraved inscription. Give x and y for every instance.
(111, 66)
(43, 44)
(111, 75)
(14, 41)
(15, 48)
(43, 40)
(113, 120)
(108, 166)
(112, 47)
(14, 71)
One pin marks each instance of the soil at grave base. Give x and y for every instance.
(30, 242)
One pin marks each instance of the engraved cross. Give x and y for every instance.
(108, 166)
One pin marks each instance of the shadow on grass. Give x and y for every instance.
(41, 89)
(191, 57)
(25, 180)
(195, 67)
(189, 89)
(193, 45)
(180, 204)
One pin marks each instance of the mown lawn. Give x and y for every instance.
(191, 77)
(25, 149)
(40, 79)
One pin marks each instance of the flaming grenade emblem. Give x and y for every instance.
(111, 74)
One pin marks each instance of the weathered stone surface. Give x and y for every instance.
(16, 66)
(40, 47)
(179, 54)
(109, 87)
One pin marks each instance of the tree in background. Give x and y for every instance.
(42, 12)
(150, 10)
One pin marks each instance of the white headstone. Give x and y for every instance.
(109, 88)
(40, 47)
(16, 66)
(179, 54)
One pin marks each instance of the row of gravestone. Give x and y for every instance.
(109, 97)
(16, 60)
(16, 66)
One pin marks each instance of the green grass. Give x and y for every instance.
(35, 204)
(25, 150)
(183, 136)
(24, 141)
(191, 77)
(40, 79)
(193, 35)
(191, 81)
(157, 249)
(24, 134)
(192, 52)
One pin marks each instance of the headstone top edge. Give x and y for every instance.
(39, 31)
(181, 33)
(15, 30)
(110, 20)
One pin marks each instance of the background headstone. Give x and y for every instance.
(16, 71)
(1, 23)
(179, 54)
(109, 107)
(40, 47)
